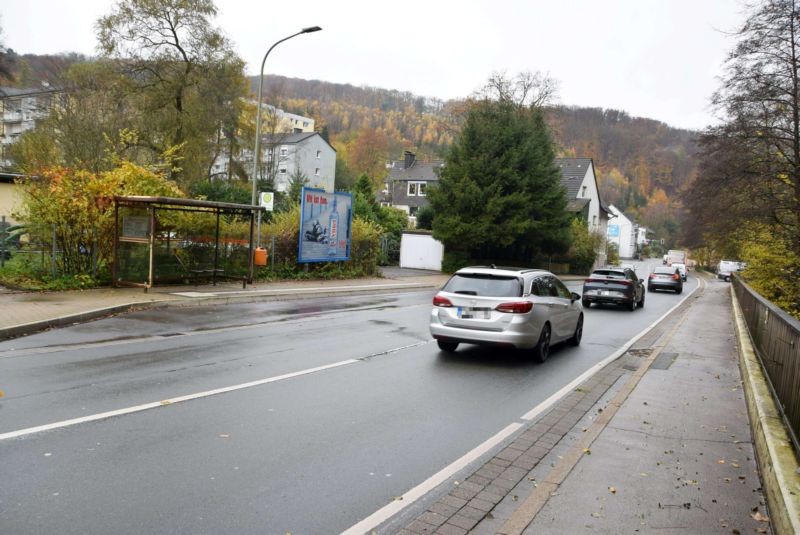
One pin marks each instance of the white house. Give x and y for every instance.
(306, 153)
(583, 197)
(622, 231)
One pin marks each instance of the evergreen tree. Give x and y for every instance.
(499, 192)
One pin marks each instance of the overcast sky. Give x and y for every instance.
(652, 58)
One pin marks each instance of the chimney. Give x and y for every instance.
(409, 158)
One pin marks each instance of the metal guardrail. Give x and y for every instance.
(776, 337)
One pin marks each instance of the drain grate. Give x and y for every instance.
(663, 361)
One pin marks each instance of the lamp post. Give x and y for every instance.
(257, 154)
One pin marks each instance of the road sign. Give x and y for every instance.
(268, 200)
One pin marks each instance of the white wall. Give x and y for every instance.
(421, 251)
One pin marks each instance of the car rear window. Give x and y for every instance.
(608, 273)
(664, 271)
(484, 285)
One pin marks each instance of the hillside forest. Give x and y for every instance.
(642, 165)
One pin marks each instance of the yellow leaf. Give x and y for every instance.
(612, 490)
(587, 451)
(759, 517)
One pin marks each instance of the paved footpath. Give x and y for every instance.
(656, 442)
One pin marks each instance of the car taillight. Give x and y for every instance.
(652, 276)
(515, 308)
(439, 301)
(626, 282)
(590, 280)
(676, 276)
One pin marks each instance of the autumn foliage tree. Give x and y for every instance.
(76, 206)
(750, 167)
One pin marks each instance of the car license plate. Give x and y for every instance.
(605, 292)
(473, 313)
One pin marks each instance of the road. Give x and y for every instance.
(336, 407)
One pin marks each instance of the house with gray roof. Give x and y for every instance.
(286, 155)
(583, 197)
(407, 183)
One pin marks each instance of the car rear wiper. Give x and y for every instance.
(466, 292)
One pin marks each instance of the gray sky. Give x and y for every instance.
(657, 59)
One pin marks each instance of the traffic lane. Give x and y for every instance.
(364, 418)
(76, 381)
(341, 444)
(168, 321)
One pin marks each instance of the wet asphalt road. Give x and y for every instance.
(312, 453)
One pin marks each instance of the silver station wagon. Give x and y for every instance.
(507, 307)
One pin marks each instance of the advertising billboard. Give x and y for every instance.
(325, 223)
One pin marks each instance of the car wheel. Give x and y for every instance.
(542, 349)
(449, 347)
(586, 304)
(641, 302)
(576, 338)
(650, 289)
(632, 304)
(679, 290)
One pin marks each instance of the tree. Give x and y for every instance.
(751, 162)
(499, 189)
(182, 72)
(368, 153)
(5, 60)
(526, 89)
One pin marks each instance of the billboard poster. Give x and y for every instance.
(325, 223)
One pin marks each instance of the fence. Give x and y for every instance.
(776, 336)
(40, 248)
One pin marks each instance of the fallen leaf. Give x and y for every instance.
(514, 497)
(398, 498)
(1, 393)
(757, 516)
(643, 474)
(224, 435)
(596, 515)
(721, 461)
(735, 465)
(612, 490)
(587, 451)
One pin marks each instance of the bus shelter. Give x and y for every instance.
(163, 240)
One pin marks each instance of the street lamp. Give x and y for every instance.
(258, 112)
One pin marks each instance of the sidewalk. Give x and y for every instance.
(658, 441)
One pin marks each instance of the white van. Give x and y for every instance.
(727, 267)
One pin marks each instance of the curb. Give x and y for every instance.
(774, 452)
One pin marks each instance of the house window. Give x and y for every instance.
(594, 220)
(282, 170)
(416, 189)
(284, 151)
(583, 191)
(319, 154)
(316, 171)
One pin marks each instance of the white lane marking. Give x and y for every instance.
(546, 404)
(391, 509)
(170, 401)
(291, 291)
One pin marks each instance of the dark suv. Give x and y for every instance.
(617, 286)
